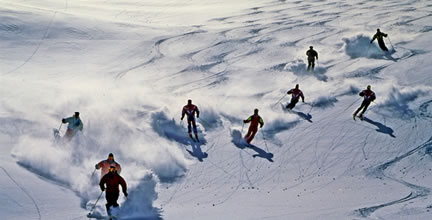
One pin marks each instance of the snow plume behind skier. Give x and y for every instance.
(296, 94)
(74, 125)
(190, 110)
(105, 165)
(254, 119)
(368, 97)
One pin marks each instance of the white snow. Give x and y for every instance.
(130, 66)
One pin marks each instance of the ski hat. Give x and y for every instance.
(77, 114)
(378, 30)
(297, 86)
(368, 87)
(111, 155)
(310, 47)
(256, 111)
(189, 101)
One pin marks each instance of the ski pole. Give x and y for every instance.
(96, 203)
(352, 103)
(242, 128)
(280, 99)
(61, 123)
(391, 43)
(265, 142)
(93, 173)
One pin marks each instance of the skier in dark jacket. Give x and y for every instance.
(190, 110)
(368, 97)
(254, 119)
(112, 181)
(311, 54)
(296, 94)
(380, 38)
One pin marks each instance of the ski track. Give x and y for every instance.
(25, 192)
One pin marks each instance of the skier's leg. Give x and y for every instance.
(293, 103)
(361, 106)
(251, 137)
(309, 65)
(246, 137)
(364, 108)
(313, 65)
(382, 45)
(189, 127)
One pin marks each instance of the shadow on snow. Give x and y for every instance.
(239, 142)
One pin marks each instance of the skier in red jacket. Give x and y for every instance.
(105, 165)
(368, 97)
(190, 110)
(296, 94)
(112, 181)
(254, 119)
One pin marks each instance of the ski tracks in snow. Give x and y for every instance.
(24, 191)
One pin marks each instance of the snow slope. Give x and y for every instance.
(129, 67)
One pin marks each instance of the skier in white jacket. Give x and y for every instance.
(74, 124)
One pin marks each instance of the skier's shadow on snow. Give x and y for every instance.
(306, 117)
(197, 151)
(381, 128)
(239, 142)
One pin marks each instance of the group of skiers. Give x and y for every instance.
(312, 54)
(110, 181)
(110, 169)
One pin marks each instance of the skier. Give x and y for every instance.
(311, 54)
(105, 165)
(254, 119)
(190, 110)
(368, 97)
(296, 93)
(74, 124)
(380, 36)
(112, 180)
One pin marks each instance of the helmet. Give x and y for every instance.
(378, 30)
(189, 101)
(77, 114)
(368, 87)
(297, 86)
(111, 155)
(310, 47)
(256, 111)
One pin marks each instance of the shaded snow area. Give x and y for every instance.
(130, 66)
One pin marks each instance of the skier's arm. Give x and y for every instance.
(385, 35)
(373, 38)
(361, 94)
(183, 113)
(289, 91)
(99, 165)
(248, 120)
(261, 121)
(118, 168)
(66, 120)
(102, 183)
(316, 55)
(197, 111)
(124, 186)
(302, 96)
(81, 125)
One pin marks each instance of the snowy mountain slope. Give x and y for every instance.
(130, 66)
